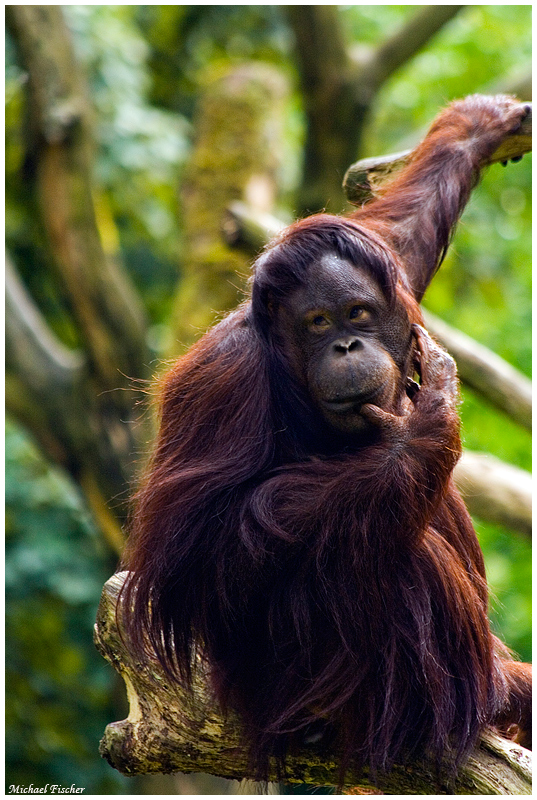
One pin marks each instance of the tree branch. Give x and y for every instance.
(80, 407)
(50, 391)
(485, 372)
(495, 491)
(169, 730)
(31, 343)
(338, 89)
(100, 294)
(321, 49)
(401, 47)
(328, 85)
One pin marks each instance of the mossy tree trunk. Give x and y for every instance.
(236, 155)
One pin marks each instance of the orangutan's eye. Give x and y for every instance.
(358, 312)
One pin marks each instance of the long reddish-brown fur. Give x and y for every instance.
(347, 585)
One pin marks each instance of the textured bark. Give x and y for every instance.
(170, 730)
(49, 389)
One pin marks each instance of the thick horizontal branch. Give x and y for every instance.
(495, 491)
(485, 372)
(364, 178)
(170, 730)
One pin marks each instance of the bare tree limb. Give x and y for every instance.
(485, 372)
(39, 352)
(101, 296)
(49, 389)
(80, 407)
(169, 730)
(328, 84)
(321, 47)
(38, 366)
(402, 46)
(495, 491)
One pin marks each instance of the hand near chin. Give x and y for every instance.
(438, 389)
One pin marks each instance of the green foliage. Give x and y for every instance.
(482, 47)
(60, 690)
(508, 562)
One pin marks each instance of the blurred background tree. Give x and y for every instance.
(129, 131)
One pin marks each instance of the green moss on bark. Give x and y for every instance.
(236, 148)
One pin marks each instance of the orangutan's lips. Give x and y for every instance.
(346, 404)
(341, 406)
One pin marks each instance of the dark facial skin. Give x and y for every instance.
(346, 344)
